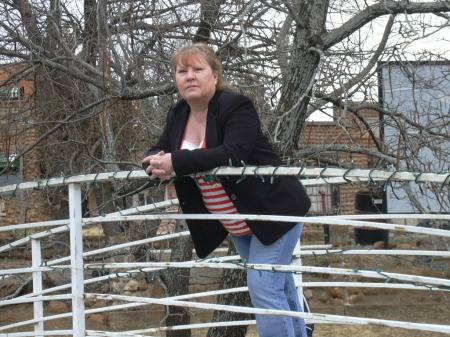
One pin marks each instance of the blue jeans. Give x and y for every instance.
(273, 290)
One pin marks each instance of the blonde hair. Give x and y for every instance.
(185, 54)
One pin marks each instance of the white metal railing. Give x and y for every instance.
(75, 223)
(310, 176)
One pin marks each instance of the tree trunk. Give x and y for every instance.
(210, 14)
(305, 57)
(107, 204)
(232, 278)
(177, 282)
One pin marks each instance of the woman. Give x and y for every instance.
(213, 126)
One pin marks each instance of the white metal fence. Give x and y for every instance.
(75, 223)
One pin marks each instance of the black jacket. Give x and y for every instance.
(233, 137)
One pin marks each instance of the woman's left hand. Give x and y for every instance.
(160, 165)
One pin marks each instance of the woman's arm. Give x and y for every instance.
(158, 165)
(157, 162)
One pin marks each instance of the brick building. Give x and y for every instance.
(346, 131)
(16, 108)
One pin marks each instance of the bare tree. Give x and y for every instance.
(302, 54)
(103, 84)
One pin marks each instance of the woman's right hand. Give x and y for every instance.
(160, 166)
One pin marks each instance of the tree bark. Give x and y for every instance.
(210, 14)
(231, 279)
(297, 86)
(177, 283)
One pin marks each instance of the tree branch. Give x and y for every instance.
(380, 9)
(314, 150)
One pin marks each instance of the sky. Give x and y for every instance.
(407, 28)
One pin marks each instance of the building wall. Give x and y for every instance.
(30, 206)
(345, 130)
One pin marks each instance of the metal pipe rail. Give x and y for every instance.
(75, 223)
(321, 176)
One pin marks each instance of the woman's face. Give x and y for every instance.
(195, 80)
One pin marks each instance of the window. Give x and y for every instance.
(10, 176)
(322, 199)
(11, 94)
(6, 160)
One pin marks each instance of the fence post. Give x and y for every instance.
(36, 256)
(76, 260)
(298, 277)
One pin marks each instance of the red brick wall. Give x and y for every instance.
(30, 206)
(345, 130)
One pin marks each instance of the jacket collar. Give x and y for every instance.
(181, 115)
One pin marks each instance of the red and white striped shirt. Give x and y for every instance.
(217, 200)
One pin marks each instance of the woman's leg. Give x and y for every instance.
(273, 290)
(294, 302)
(242, 245)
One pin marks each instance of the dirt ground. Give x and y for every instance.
(438, 314)
(402, 305)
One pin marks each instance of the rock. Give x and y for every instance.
(353, 291)
(58, 307)
(337, 292)
(336, 243)
(117, 285)
(89, 302)
(353, 299)
(338, 301)
(99, 304)
(379, 245)
(159, 291)
(323, 297)
(371, 291)
(197, 288)
(132, 285)
(308, 294)
(143, 285)
(99, 318)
